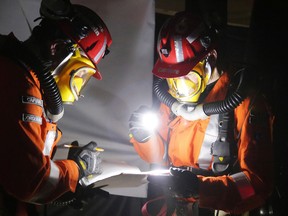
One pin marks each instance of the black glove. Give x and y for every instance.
(80, 198)
(136, 127)
(180, 184)
(86, 157)
(185, 183)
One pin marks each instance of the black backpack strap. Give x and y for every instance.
(224, 149)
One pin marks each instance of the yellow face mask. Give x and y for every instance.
(188, 88)
(73, 76)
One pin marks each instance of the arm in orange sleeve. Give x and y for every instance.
(253, 183)
(153, 150)
(27, 171)
(37, 178)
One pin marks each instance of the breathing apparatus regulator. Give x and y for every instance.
(202, 111)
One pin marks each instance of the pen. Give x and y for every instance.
(72, 146)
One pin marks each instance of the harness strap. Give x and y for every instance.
(224, 148)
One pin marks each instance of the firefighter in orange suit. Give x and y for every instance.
(214, 130)
(39, 75)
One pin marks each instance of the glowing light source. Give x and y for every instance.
(150, 121)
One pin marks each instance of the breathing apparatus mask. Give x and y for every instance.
(75, 29)
(73, 74)
(187, 89)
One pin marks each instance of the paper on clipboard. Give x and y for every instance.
(119, 178)
(109, 169)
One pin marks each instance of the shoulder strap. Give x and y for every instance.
(7, 45)
(224, 149)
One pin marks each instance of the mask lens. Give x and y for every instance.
(79, 79)
(185, 86)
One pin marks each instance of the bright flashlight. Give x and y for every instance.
(149, 121)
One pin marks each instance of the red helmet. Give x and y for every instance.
(83, 26)
(183, 41)
(89, 31)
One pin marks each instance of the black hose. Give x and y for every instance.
(234, 99)
(51, 92)
(227, 105)
(160, 89)
(24, 55)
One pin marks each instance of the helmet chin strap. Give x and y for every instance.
(214, 76)
(57, 70)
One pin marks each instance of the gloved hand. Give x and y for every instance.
(181, 183)
(81, 197)
(185, 183)
(137, 127)
(86, 157)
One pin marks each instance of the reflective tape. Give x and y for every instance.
(243, 184)
(49, 186)
(196, 33)
(26, 117)
(178, 49)
(101, 51)
(32, 100)
(50, 138)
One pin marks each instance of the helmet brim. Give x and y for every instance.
(164, 70)
(97, 75)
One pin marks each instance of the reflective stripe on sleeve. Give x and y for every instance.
(32, 100)
(50, 138)
(54, 174)
(26, 117)
(243, 184)
(50, 185)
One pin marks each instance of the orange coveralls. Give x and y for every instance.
(28, 139)
(189, 144)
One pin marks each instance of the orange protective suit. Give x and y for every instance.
(28, 140)
(189, 144)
